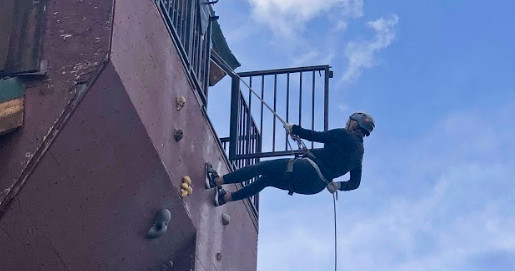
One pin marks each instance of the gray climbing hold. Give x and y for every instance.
(178, 135)
(160, 224)
(226, 219)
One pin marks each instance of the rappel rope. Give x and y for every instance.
(295, 138)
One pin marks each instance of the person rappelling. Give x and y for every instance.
(309, 174)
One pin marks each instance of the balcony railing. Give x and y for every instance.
(300, 95)
(189, 22)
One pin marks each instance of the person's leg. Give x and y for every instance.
(272, 168)
(256, 187)
(305, 180)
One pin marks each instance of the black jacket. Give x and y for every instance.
(342, 152)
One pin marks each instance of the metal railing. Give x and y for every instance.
(192, 36)
(300, 95)
(248, 142)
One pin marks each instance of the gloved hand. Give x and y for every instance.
(288, 127)
(333, 187)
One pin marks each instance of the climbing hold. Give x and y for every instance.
(226, 219)
(167, 266)
(186, 188)
(218, 256)
(186, 179)
(180, 102)
(160, 224)
(178, 135)
(184, 193)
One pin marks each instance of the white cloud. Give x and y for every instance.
(306, 57)
(344, 107)
(361, 55)
(439, 231)
(286, 17)
(313, 55)
(341, 25)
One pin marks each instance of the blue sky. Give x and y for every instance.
(439, 78)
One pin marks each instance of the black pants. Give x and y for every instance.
(305, 179)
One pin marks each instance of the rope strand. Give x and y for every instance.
(335, 235)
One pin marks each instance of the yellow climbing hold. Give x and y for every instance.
(184, 193)
(186, 179)
(180, 102)
(186, 188)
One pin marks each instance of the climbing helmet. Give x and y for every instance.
(365, 121)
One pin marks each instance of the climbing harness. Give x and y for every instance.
(291, 162)
(310, 157)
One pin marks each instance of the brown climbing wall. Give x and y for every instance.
(93, 194)
(148, 64)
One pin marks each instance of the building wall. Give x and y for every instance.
(76, 39)
(148, 64)
(94, 182)
(95, 193)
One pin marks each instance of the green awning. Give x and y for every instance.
(11, 88)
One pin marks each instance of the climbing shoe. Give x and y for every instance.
(211, 175)
(219, 196)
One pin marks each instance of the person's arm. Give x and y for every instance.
(353, 183)
(322, 137)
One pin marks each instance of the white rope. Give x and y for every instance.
(335, 234)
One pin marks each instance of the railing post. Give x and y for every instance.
(190, 30)
(233, 127)
(207, 60)
(328, 74)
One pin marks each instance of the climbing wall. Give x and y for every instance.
(149, 66)
(94, 195)
(99, 155)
